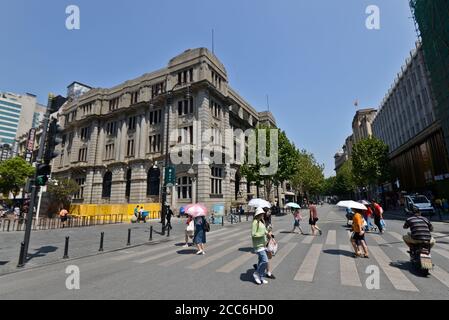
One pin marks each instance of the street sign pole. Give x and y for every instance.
(29, 220)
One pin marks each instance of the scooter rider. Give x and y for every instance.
(420, 228)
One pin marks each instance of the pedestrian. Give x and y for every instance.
(367, 214)
(358, 235)
(190, 229)
(378, 215)
(314, 219)
(136, 212)
(199, 238)
(260, 234)
(241, 211)
(297, 218)
(63, 215)
(269, 226)
(141, 217)
(17, 211)
(168, 217)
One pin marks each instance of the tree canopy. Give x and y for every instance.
(13, 175)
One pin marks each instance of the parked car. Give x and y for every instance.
(420, 203)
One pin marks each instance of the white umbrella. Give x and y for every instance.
(259, 203)
(364, 202)
(293, 205)
(352, 204)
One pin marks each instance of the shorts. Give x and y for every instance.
(357, 236)
(313, 222)
(64, 219)
(296, 223)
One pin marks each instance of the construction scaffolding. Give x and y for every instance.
(432, 21)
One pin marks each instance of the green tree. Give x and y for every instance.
(370, 162)
(13, 175)
(60, 193)
(344, 181)
(308, 177)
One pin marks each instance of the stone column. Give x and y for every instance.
(97, 186)
(118, 189)
(138, 183)
(204, 119)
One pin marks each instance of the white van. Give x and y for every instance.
(420, 203)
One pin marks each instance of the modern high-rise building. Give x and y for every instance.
(18, 114)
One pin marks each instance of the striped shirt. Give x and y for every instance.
(420, 228)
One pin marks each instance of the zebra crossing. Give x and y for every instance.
(231, 249)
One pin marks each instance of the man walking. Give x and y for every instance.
(358, 235)
(314, 219)
(378, 215)
(168, 217)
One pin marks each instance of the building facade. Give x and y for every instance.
(115, 140)
(362, 124)
(406, 122)
(18, 114)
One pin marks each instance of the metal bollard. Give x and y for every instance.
(21, 256)
(151, 233)
(66, 248)
(246, 217)
(222, 221)
(232, 219)
(168, 232)
(101, 242)
(129, 237)
(9, 225)
(240, 218)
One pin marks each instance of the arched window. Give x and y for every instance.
(153, 182)
(128, 184)
(107, 184)
(237, 184)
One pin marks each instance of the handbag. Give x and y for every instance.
(272, 246)
(206, 226)
(190, 227)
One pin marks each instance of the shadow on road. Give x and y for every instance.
(248, 276)
(249, 249)
(338, 252)
(42, 252)
(407, 266)
(187, 251)
(2, 263)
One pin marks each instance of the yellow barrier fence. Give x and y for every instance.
(106, 210)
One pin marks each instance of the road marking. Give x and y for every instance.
(181, 258)
(348, 269)
(307, 270)
(216, 256)
(231, 235)
(282, 254)
(379, 240)
(331, 237)
(127, 256)
(442, 246)
(442, 235)
(440, 274)
(395, 235)
(441, 252)
(308, 239)
(396, 277)
(287, 238)
(234, 264)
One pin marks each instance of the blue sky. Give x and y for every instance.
(313, 58)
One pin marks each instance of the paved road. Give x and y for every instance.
(306, 268)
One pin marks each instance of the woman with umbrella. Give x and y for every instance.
(296, 216)
(198, 213)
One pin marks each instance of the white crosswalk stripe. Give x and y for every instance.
(214, 257)
(331, 237)
(287, 238)
(348, 269)
(379, 239)
(234, 264)
(308, 239)
(307, 270)
(396, 277)
(280, 256)
(441, 252)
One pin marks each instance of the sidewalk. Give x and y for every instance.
(48, 246)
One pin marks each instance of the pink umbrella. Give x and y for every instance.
(196, 210)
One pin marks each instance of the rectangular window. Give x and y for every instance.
(132, 123)
(215, 109)
(216, 181)
(158, 89)
(114, 104)
(184, 188)
(134, 97)
(155, 116)
(80, 194)
(185, 107)
(185, 76)
(154, 143)
(82, 155)
(130, 149)
(85, 133)
(110, 152)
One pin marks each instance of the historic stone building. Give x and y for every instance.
(114, 140)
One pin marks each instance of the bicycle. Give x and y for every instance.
(232, 217)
